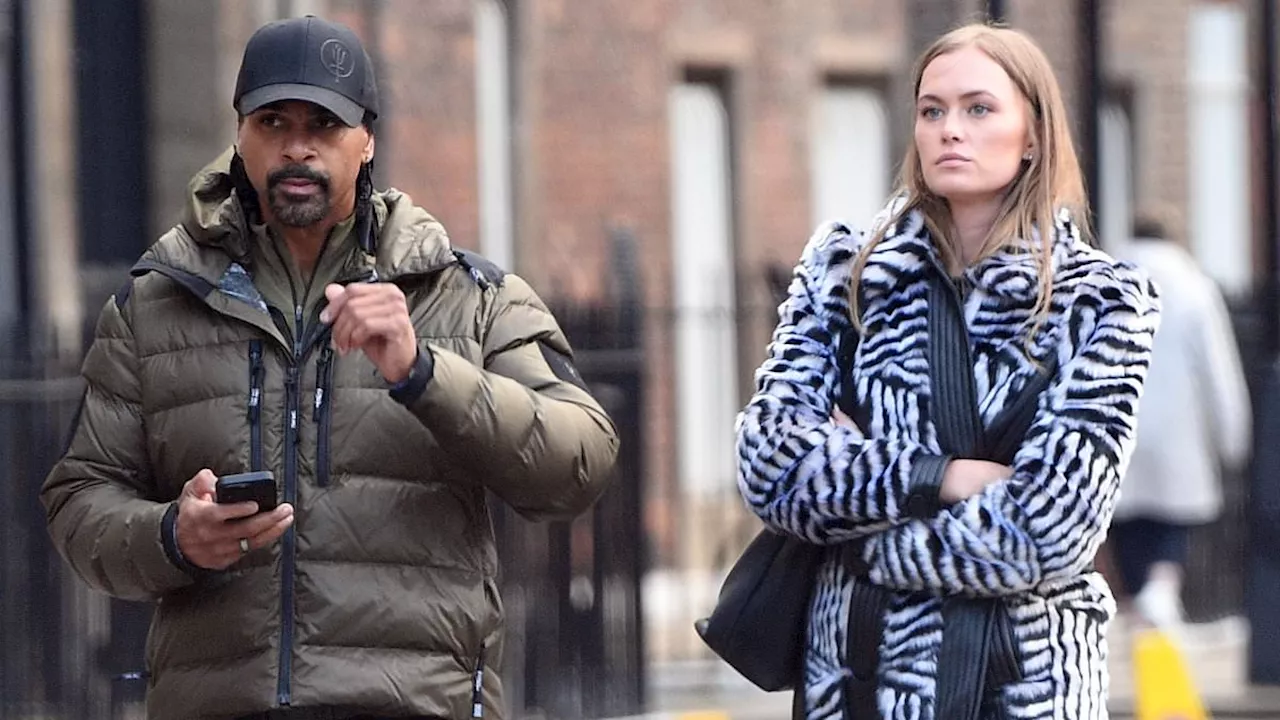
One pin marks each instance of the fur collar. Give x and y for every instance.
(908, 251)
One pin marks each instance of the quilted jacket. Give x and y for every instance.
(383, 594)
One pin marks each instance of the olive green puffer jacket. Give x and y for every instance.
(382, 595)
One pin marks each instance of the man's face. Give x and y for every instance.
(302, 161)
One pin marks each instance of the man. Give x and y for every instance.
(298, 322)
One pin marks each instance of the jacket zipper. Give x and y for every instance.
(477, 687)
(321, 414)
(287, 552)
(255, 404)
(288, 560)
(292, 401)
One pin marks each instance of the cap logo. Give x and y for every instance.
(337, 59)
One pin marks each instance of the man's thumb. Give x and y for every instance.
(204, 484)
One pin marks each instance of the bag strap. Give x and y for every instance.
(965, 652)
(954, 402)
(971, 659)
(1010, 427)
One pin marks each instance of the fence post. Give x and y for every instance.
(1090, 86)
(1263, 581)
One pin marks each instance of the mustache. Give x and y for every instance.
(297, 171)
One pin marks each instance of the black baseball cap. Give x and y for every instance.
(310, 59)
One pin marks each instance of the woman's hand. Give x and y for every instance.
(965, 478)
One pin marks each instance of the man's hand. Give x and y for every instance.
(373, 317)
(209, 534)
(965, 478)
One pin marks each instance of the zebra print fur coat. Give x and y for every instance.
(1029, 539)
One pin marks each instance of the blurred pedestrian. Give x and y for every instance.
(1194, 425)
(958, 579)
(299, 322)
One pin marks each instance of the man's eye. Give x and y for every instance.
(327, 122)
(269, 121)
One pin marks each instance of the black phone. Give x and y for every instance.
(259, 487)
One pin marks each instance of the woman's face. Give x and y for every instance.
(971, 127)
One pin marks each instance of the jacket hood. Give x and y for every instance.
(214, 231)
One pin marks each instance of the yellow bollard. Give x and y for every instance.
(703, 715)
(1164, 689)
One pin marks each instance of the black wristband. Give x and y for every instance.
(407, 391)
(925, 486)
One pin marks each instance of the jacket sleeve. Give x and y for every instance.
(1225, 393)
(800, 472)
(1048, 520)
(97, 498)
(524, 423)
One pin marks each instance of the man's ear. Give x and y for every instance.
(369, 147)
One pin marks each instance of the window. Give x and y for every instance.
(1115, 180)
(849, 154)
(703, 269)
(299, 8)
(11, 236)
(1219, 152)
(493, 132)
(269, 10)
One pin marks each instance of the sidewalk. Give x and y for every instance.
(1216, 656)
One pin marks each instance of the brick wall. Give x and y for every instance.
(1146, 51)
(591, 128)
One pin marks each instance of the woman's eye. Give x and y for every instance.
(979, 110)
(931, 113)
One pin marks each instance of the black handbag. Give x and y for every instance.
(758, 624)
(760, 621)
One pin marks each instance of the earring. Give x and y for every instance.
(1028, 156)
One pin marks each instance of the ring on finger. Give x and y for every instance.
(244, 545)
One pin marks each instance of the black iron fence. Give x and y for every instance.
(575, 633)
(54, 632)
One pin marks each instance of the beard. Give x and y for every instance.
(292, 210)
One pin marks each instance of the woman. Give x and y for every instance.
(991, 201)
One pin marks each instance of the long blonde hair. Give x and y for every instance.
(1050, 181)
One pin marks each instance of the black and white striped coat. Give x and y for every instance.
(1029, 539)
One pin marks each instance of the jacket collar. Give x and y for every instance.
(908, 252)
(215, 236)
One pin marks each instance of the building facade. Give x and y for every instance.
(661, 154)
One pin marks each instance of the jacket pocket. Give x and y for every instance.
(256, 374)
(322, 414)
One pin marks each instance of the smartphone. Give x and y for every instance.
(259, 487)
